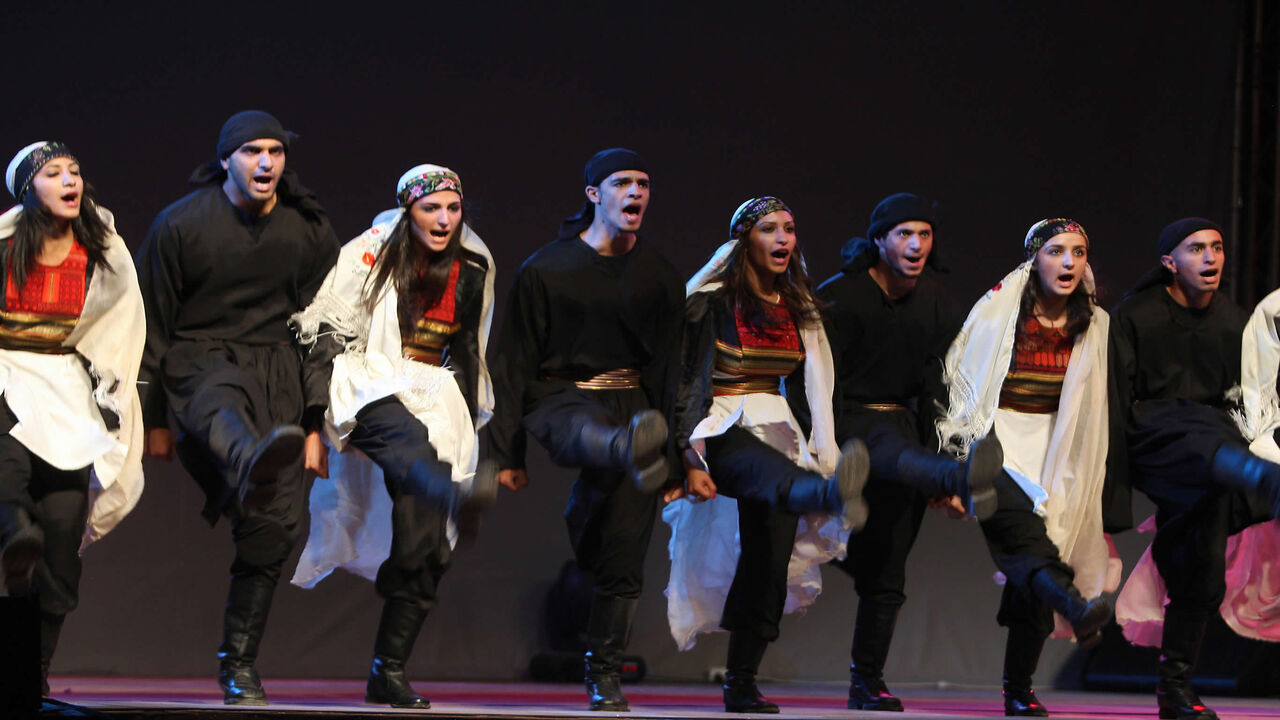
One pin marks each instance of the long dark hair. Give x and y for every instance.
(418, 274)
(37, 223)
(793, 286)
(1079, 305)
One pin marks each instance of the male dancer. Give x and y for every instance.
(1176, 355)
(221, 271)
(589, 347)
(889, 327)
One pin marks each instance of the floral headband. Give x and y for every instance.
(752, 210)
(1045, 230)
(424, 180)
(28, 161)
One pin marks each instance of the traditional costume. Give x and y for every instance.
(71, 436)
(888, 359)
(1180, 373)
(1045, 396)
(740, 558)
(409, 393)
(589, 349)
(220, 285)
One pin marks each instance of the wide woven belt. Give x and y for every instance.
(884, 407)
(756, 384)
(620, 379)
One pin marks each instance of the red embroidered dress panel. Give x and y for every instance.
(765, 356)
(431, 333)
(1040, 358)
(40, 316)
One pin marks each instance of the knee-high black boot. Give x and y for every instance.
(397, 631)
(255, 459)
(746, 650)
(840, 495)
(1179, 650)
(50, 630)
(1055, 589)
(23, 543)
(245, 619)
(1021, 655)
(872, 635)
(637, 448)
(608, 631)
(971, 480)
(1239, 469)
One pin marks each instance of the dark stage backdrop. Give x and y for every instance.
(1116, 114)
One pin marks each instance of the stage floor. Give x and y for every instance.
(128, 697)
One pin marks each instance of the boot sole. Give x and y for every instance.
(1089, 630)
(423, 705)
(281, 448)
(874, 706)
(986, 461)
(851, 477)
(20, 555)
(648, 437)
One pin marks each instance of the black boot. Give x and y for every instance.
(23, 542)
(1239, 469)
(50, 630)
(248, 602)
(746, 650)
(1087, 617)
(256, 460)
(1180, 648)
(872, 633)
(971, 480)
(1021, 655)
(839, 495)
(397, 632)
(637, 448)
(608, 630)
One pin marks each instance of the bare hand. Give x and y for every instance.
(950, 505)
(160, 443)
(699, 484)
(672, 494)
(316, 455)
(513, 479)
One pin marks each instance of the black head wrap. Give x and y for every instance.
(1175, 232)
(899, 209)
(600, 166)
(254, 125)
(1170, 237)
(861, 253)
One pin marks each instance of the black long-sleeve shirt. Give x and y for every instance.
(1164, 351)
(209, 271)
(888, 350)
(573, 314)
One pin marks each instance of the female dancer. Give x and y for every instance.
(1030, 363)
(400, 327)
(71, 337)
(751, 324)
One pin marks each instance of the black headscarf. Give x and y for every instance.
(600, 166)
(1170, 237)
(254, 125)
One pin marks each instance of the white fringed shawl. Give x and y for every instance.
(110, 334)
(1075, 460)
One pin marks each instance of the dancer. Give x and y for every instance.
(890, 324)
(221, 271)
(1030, 365)
(407, 306)
(751, 322)
(71, 329)
(587, 362)
(1178, 359)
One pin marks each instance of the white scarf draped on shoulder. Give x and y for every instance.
(109, 335)
(1074, 468)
